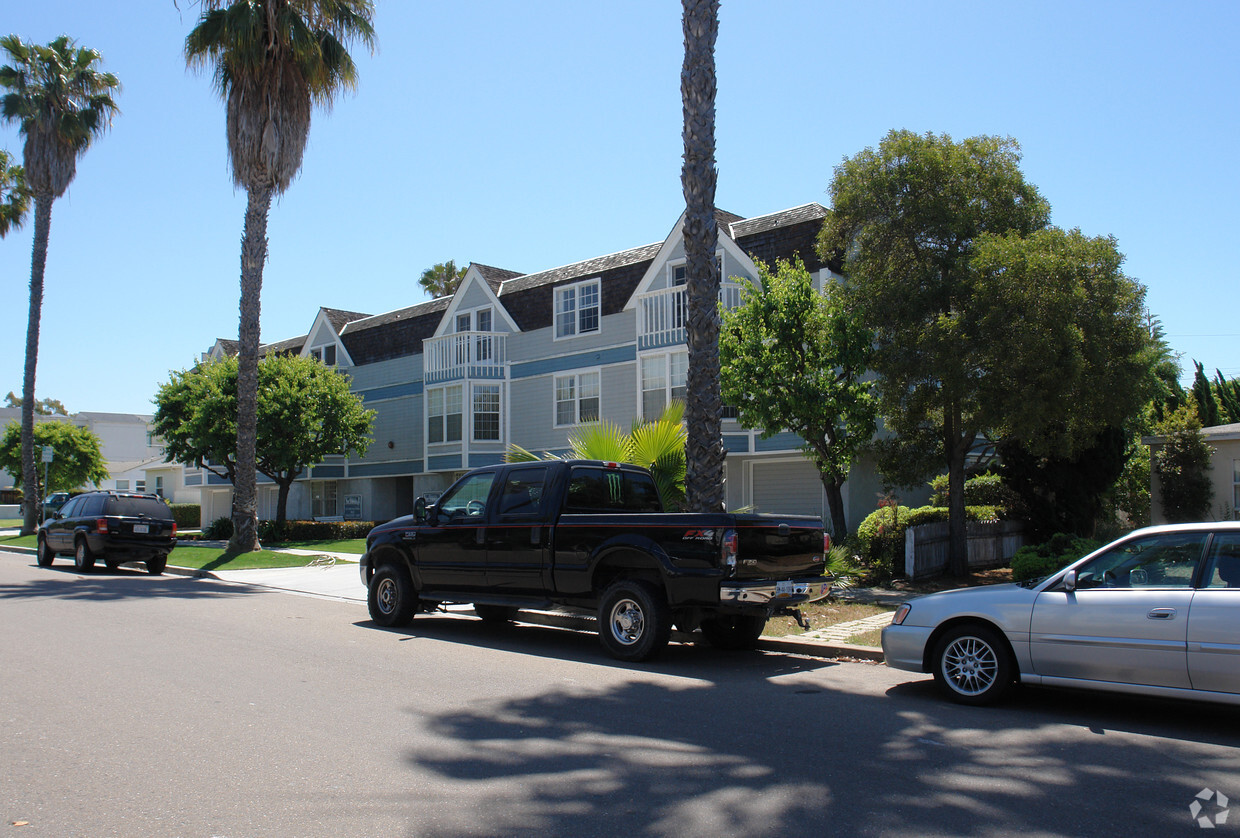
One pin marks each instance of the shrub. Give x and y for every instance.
(1034, 562)
(220, 529)
(880, 537)
(983, 490)
(268, 531)
(187, 515)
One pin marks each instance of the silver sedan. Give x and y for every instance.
(1155, 613)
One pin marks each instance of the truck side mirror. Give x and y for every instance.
(419, 510)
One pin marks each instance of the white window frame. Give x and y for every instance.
(668, 372)
(577, 386)
(442, 412)
(475, 391)
(560, 313)
(324, 499)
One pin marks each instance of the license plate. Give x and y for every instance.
(141, 529)
(785, 588)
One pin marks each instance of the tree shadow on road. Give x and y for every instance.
(66, 582)
(748, 745)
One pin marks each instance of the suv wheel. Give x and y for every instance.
(634, 622)
(391, 598)
(45, 554)
(155, 566)
(83, 559)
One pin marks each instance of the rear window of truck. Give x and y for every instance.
(611, 490)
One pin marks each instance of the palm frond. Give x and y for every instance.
(601, 441)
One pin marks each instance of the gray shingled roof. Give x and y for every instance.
(590, 267)
(398, 315)
(796, 215)
(495, 277)
(339, 319)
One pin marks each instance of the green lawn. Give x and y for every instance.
(213, 558)
(10, 522)
(356, 546)
(17, 541)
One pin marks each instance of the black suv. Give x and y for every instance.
(114, 526)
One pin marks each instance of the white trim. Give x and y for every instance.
(343, 359)
(499, 413)
(473, 277)
(576, 376)
(576, 287)
(724, 244)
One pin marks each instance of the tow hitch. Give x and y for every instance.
(794, 613)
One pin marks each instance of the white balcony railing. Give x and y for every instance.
(661, 314)
(465, 355)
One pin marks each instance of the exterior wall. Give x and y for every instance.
(1224, 475)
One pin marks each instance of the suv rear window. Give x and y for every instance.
(138, 508)
(611, 490)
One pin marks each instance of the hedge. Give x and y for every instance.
(268, 531)
(187, 515)
(880, 536)
(1034, 562)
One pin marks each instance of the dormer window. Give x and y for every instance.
(577, 309)
(325, 355)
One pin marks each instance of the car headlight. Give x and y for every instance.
(901, 612)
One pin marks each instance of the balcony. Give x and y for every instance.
(465, 355)
(661, 315)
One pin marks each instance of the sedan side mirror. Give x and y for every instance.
(1069, 581)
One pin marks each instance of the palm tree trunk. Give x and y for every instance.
(704, 490)
(38, 263)
(253, 257)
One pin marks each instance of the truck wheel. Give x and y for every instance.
(46, 555)
(634, 621)
(972, 665)
(83, 559)
(495, 613)
(733, 631)
(391, 598)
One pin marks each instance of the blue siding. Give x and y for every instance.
(409, 388)
(445, 462)
(327, 472)
(193, 480)
(480, 460)
(385, 469)
(780, 442)
(736, 443)
(616, 355)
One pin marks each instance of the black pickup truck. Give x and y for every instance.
(590, 535)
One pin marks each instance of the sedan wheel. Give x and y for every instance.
(972, 665)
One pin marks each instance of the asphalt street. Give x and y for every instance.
(176, 706)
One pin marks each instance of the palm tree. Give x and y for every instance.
(272, 60)
(704, 408)
(61, 102)
(14, 195)
(442, 280)
(658, 446)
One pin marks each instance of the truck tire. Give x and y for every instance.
(391, 598)
(634, 622)
(733, 631)
(495, 614)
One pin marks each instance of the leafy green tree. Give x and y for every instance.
(14, 194)
(1227, 394)
(76, 460)
(442, 279)
(795, 359)
(43, 407)
(704, 408)
(61, 102)
(306, 412)
(273, 60)
(988, 325)
(1183, 465)
(1204, 395)
(658, 446)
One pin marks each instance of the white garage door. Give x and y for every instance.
(787, 487)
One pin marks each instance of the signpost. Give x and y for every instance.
(48, 453)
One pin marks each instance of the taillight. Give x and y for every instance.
(826, 543)
(174, 529)
(101, 525)
(731, 548)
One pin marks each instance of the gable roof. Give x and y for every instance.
(339, 319)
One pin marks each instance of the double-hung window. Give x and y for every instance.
(576, 398)
(486, 412)
(443, 414)
(664, 377)
(577, 309)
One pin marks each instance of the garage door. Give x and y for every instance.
(789, 488)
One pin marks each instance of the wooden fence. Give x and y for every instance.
(990, 545)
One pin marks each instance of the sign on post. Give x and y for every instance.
(48, 453)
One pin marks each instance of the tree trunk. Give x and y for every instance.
(958, 446)
(704, 489)
(253, 257)
(38, 263)
(835, 506)
(285, 483)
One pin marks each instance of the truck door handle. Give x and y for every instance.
(1162, 614)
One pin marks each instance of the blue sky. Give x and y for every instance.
(532, 135)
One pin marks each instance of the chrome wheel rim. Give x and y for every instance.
(970, 665)
(385, 596)
(628, 621)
